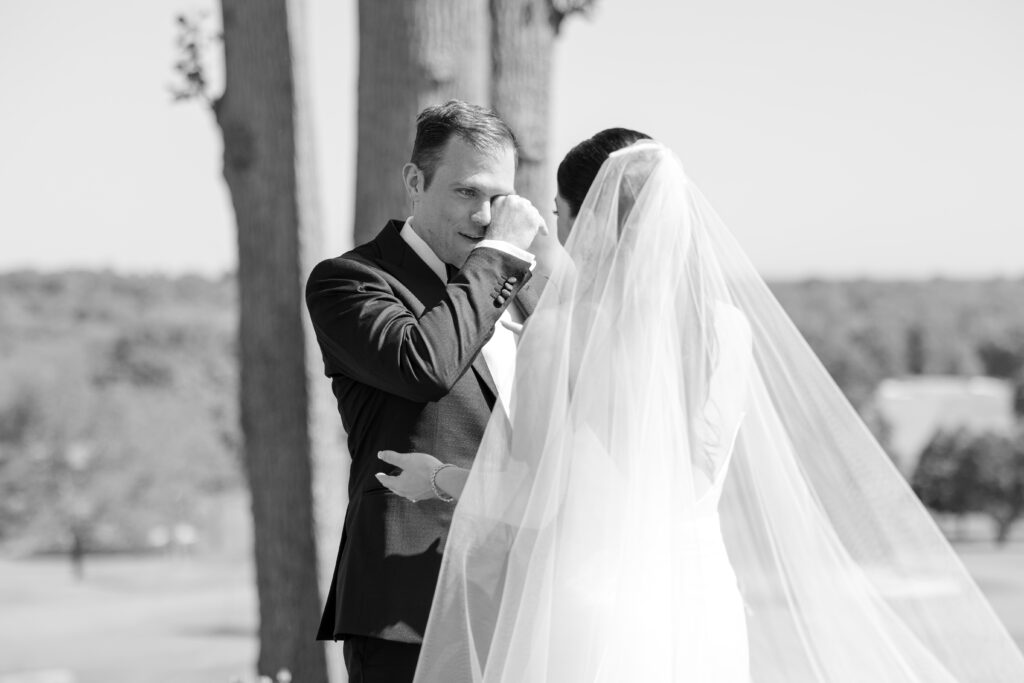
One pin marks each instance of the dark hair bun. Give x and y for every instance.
(580, 166)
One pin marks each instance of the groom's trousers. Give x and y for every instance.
(373, 660)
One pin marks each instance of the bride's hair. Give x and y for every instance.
(580, 166)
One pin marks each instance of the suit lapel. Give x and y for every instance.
(404, 264)
(423, 283)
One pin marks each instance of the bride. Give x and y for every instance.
(685, 494)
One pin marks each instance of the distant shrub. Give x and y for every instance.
(963, 471)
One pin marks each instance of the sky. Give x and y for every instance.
(878, 138)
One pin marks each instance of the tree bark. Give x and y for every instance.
(522, 39)
(411, 55)
(523, 34)
(268, 169)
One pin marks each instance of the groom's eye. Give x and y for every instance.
(466, 192)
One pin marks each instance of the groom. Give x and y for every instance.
(408, 327)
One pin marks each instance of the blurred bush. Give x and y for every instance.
(962, 472)
(117, 408)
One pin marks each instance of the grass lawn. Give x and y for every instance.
(1000, 573)
(182, 620)
(131, 619)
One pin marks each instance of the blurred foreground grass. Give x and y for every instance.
(1000, 573)
(153, 619)
(193, 620)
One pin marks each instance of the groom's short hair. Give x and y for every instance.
(476, 125)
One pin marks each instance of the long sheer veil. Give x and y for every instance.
(666, 410)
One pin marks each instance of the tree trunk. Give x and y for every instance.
(523, 34)
(1005, 519)
(411, 55)
(1003, 527)
(268, 171)
(522, 39)
(329, 450)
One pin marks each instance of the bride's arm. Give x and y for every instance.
(452, 480)
(728, 388)
(420, 472)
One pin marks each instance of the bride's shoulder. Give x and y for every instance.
(732, 332)
(729, 318)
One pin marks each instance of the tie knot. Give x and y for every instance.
(451, 270)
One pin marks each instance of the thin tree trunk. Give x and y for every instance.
(329, 451)
(261, 120)
(328, 448)
(1003, 526)
(411, 55)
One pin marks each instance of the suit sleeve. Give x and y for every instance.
(366, 332)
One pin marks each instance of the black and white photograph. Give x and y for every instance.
(511, 341)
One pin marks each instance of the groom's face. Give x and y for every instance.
(452, 213)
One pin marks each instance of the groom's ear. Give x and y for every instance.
(413, 178)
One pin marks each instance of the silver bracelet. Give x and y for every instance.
(433, 484)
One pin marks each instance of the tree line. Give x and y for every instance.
(118, 411)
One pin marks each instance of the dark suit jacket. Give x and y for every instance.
(402, 351)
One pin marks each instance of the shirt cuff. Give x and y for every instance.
(509, 249)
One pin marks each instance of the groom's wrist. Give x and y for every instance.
(510, 249)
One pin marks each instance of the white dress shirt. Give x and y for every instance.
(500, 350)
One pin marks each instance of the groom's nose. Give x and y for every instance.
(482, 216)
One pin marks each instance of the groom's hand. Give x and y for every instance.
(514, 220)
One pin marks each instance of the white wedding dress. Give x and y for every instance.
(581, 589)
(686, 496)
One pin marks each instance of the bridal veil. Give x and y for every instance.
(686, 495)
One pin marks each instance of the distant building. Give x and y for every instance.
(914, 408)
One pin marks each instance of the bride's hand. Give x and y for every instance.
(413, 482)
